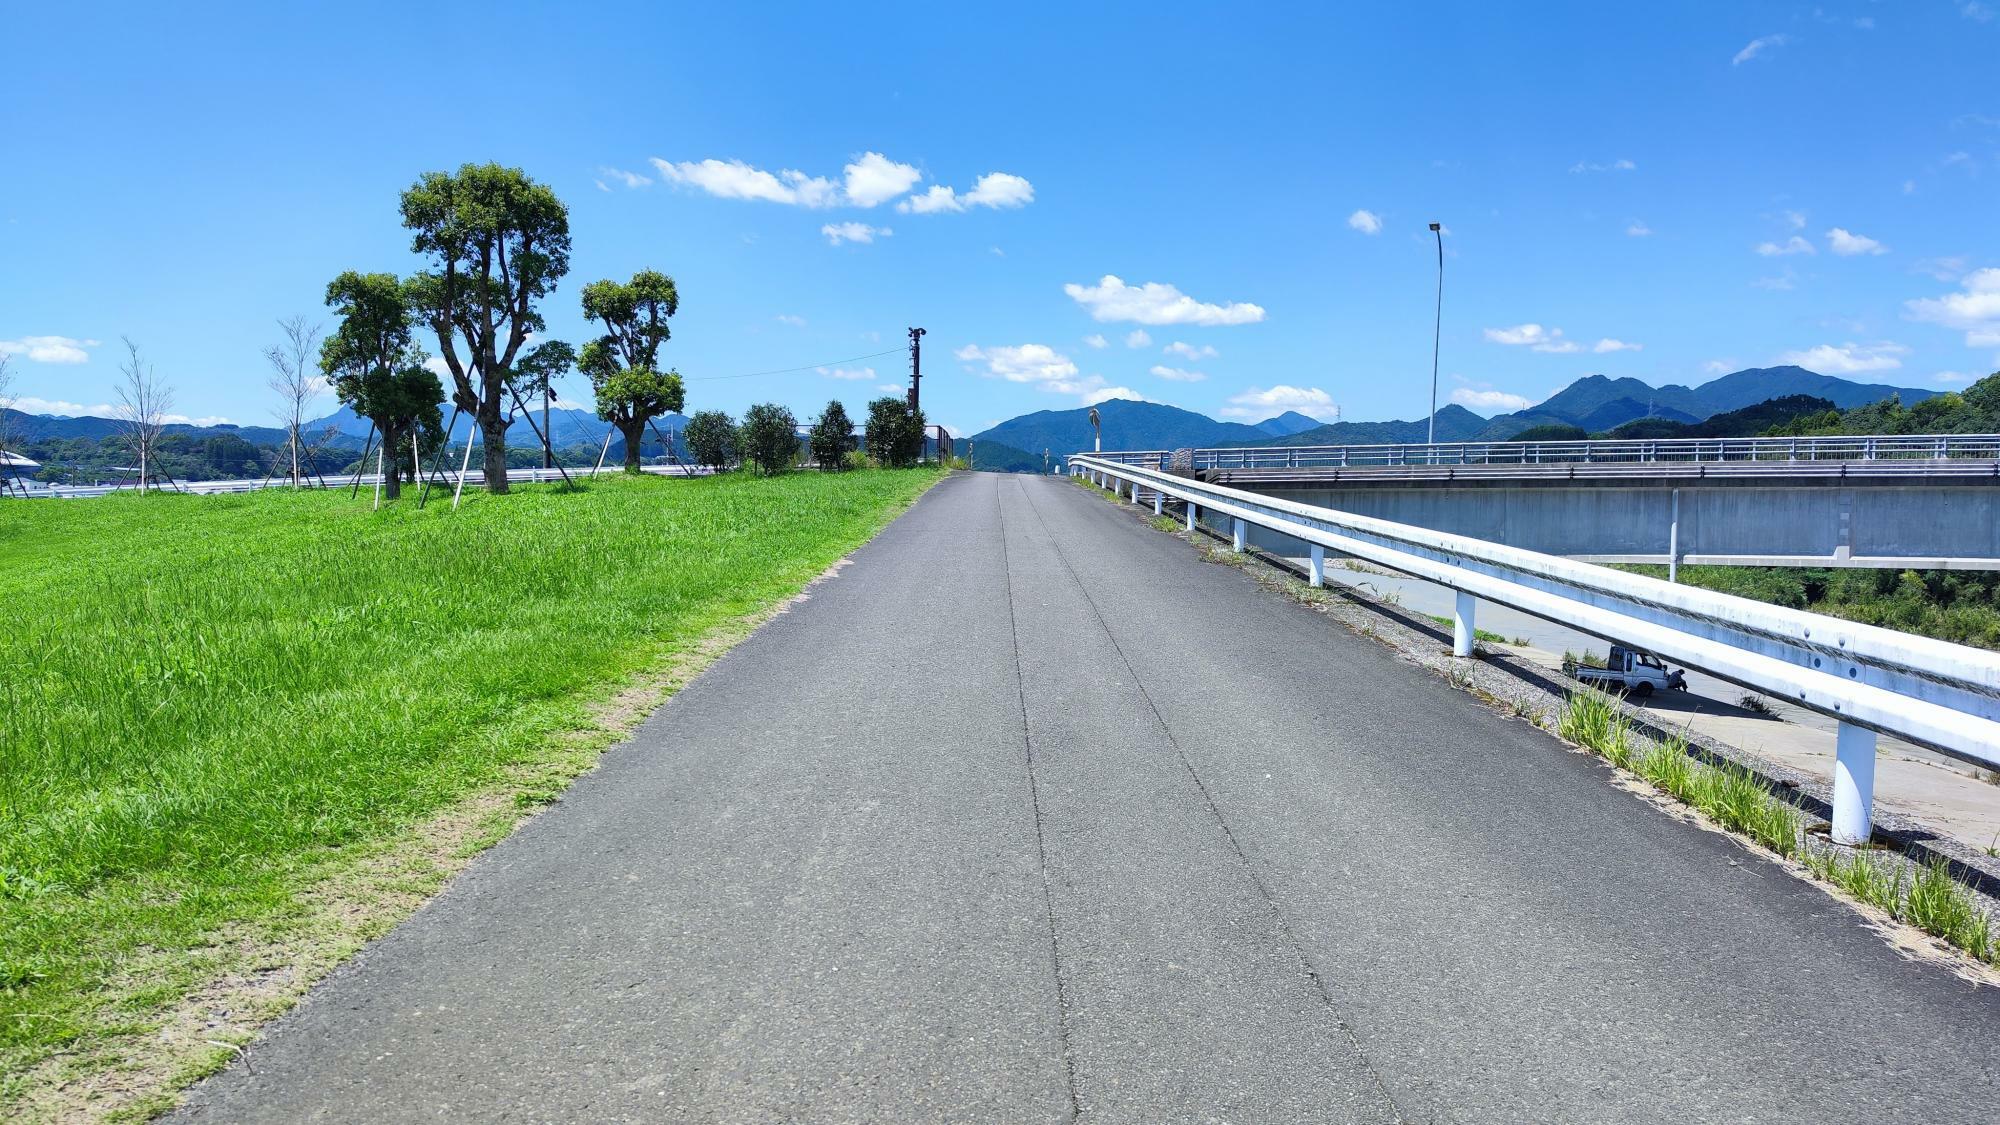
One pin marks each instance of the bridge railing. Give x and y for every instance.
(1870, 679)
(1918, 447)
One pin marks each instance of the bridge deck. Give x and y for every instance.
(995, 826)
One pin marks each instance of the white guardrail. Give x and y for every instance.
(1935, 694)
(1917, 447)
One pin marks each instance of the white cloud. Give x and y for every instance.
(937, 198)
(1847, 244)
(1591, 166)
(1786, 280)
(438, 367)
(1638, 229)
(874, 178)
(1944, 269)
(1757, 47)
(1001, 190)
(1792, 245)
(1367, 222)
(1609, 345)
(1952, 377)
(998, 190)
(1535, 337)
(733, 179)
(1258, 404)
(1040, 366)
(996, 251)
(29, 404)
(891, 388)
(837, 233)
(1849, 358)
(1795, 220)
(1489, 401)
(1973, 10)
(1190, 351)
(1909, 187)
(1095, 340)
(49, 349)
(794, 321)
(1719, 366)
(855, 373)
(1156, 303)
(1177, 375)
(1106, 394)
(1137, 338)
(629, 179)
(1974, 309)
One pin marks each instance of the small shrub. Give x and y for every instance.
(769, 438)
(711, 439)
(1754, 704)
(832, 436)
(858, 460)
(894, 435)
(1591, 721)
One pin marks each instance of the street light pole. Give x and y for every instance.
(1437, 333)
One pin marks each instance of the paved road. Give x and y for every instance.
(1031, 815)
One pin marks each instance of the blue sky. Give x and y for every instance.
(1138, 194)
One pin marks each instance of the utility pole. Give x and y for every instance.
(916, 364)
(1437, 333)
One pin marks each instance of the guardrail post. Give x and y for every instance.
(1239, 532)
(1462, 632)
(1159, 503)
(1193, 514)
(1135, 493)
(1853, 784)
(1674, 541)
(1318, 575)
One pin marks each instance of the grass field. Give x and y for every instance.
(210, 707)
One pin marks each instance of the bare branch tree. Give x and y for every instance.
(6, 402)
(143, 405)
(296, 380)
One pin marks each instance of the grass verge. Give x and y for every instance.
(242, 735)
(1731, 796)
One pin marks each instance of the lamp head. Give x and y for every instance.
(1437, 226)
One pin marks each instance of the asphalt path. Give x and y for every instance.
(1031, 814)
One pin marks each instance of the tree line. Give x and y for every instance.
(494, 243)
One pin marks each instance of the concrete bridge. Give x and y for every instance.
(999, 825)
(1896, 502)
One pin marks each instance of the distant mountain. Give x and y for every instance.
(56, 427)
(1127, 425)
(1599, 403)
(1454, 423)
(1748, 422)
(1289, 423)
(997, 457)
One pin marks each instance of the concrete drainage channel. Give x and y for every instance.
(1530, 692)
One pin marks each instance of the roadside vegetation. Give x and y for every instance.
(213, 705)
(1926, 897)
(1961, 606)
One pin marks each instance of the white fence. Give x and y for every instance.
(1927, 447)
(1936, 694)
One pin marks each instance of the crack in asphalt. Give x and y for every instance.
(1277, 913)
(1035, 794)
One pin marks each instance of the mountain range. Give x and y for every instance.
(1595, 403)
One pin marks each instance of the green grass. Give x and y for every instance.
(1738, 800)
(210, 700)
(1487, 635)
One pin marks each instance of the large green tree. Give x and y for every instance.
(623, 364)
(769, 438)
(711, 439)
(372, 360)
(497, 242)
